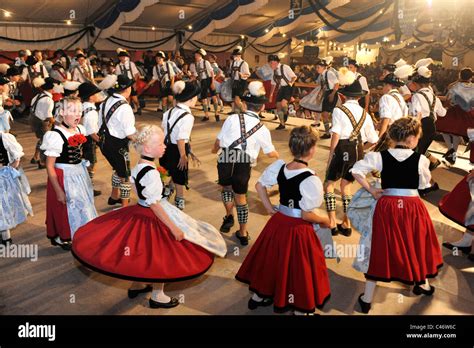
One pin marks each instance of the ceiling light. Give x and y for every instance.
(68, 22)
(153, 28)
(190, 27)
(7, 13)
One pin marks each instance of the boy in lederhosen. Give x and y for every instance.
(329, 85)
(203, 72)
(116, 129)
(354, 67)
(164, 73)
(239, 73)
(90, 95)
(128, 68)
(82, 71)
(351, 128)
(283, 80)
(177, 125)
(240, 139)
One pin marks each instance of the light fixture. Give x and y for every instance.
(266, 30)
(68, 22)
(393, 45)
(7, 13)
(377, 43)
(153, 28)
(380, 11)
(414, 46)
(284, 35)
(242, 37)
(190, 27)
(439, 25)
(302, 41)
(414, 20)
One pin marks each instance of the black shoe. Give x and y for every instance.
(451, 159)
(255, 304)
(139, 111)
(435, 165)
(7, 242)
(325, 136)
(218, 118)
(204, 119)
(315, 124)
(334, 231)
(364, 306)
(227, 223)
(448, 153)
(470, 257)
(244, 240)
(424, 192)
(418, 290)
(465, 250)
(281, 126)
(112, 201)
(97, 193)
(64, 245)
(135, 293)
(33, 161)
(155, 304)
(344, 231)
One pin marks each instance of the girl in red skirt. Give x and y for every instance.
(286, 266)
(404, 244)
(153, 241)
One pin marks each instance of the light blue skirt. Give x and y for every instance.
(14, 203)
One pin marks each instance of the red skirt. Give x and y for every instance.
(287, 264)
(133, 244)
(456, 121)
(404, 243)
(454, 204)
(57, 222)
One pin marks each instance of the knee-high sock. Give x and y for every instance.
(216, 106)
(346, 200)
(327, 126)
(116, 181)
(369, 291)
(330, 199)
(243, 213)
(465, 241)
(179, 202)
(165, 107)
(125, 190)
(456, 141)
(427, 285)
(285, 113)
(158, 294)
(448, 139)
(227, 196)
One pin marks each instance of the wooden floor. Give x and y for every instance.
(57, 284)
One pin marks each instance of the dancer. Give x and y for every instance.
(218, 79)
(240, 139)
(82, 71)
(354, 67)
(128, 68)
(390, 69)
(153, 241)
(116, 129)
(164, 73)
(69, 195)
(404, 245)
(286, 265)
(177, 125)
(90, 95)
(283, 80)
(329, 86)
(239, 73)
(14, 187)
(351, 129)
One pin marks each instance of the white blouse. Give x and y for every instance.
(373, 161)
(311, 188)
(13, 147)
(420, 105)
(151, 181)
(122, 123)
(53, 142)
(90, 120)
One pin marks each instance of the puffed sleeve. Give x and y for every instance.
(128, 119)
(50, 104)
(265, 140)
(153, 187)
(185, 128)
(424, 172)
(289, 72)
(404, 90)
(415, 105)
(384, 107)
(13, 147)
(224, 128)
(371, 161)
(91, 123)
(336, 122)
(370, 134)
(245, 68)
(270, 174)
(312, 193)
(52, 144)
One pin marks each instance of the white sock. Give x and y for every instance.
(158, 295)
(6, 235)
(456, 141)
(369, 291)
(57, 239)
(426, 286)
(447, 139)
(257, 298)
(137, 286)
(465, 241)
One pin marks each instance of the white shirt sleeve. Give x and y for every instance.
(153, 187)
(169, 67)
(192, 69)
(185, 128)
(371, 161)
(270, 174)
(311, 190)
(384, 107)
(290, 74)
(337, 121)
(332, 79)
(224, 129)
(424, 172)
(370, 134)
(209, 69)
(265, 140)
(52, 144)
(127, 120)
(155, 73)
(134, 69)
(364, 84)
(415, 105)
(245, 69)
(439, 109)
(13, 147)
(91, 122)
(404, 90)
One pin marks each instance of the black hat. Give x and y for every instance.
(49, 83)
(391, 79)
(160, 54)
(353, 62)
(80, 55)
(237, 52)
(256, 93)
(123, 82)
(31, 60)
(389, 67)
(13, 71)
(321, 62)
(353, 90)
(190, 90)
(123, 54)
(3, 81)
(87, 90)
(417, 78)
(273, 58)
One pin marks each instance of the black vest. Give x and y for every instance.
(3, 153)
(69, 154)
(403, 175)
(290, 194)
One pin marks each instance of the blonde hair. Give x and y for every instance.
(404, 127)
(142, 135)
(65, 105)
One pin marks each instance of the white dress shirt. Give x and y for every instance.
(163, 72)
(244, 69)
(230, 132)
(122, 122)
(182, 130)
(38, 67)
(204, 67)
(311, 188)
(287, 71)
(342, 126)
(129, 69)
(392, 108)
(420, 105)
(151, 181)
(331, 79)
(44, 107)
(90, 119)
(373, 161)
(82, 73)
(363, 82)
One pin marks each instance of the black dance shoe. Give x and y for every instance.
(97, 193)
(67, 246)
(344, 231)
(155, 304)
(135, 293)
(7, 242)
(281, 126)
(325, 136)
(255, 304)
(465, 250)
(244, 240)
(364, 306)
(204, 119)
(218, 118)
(334, 231)
(227, 223)
(435, 165)
(112, 201)
(424, 192)
(418, 290)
